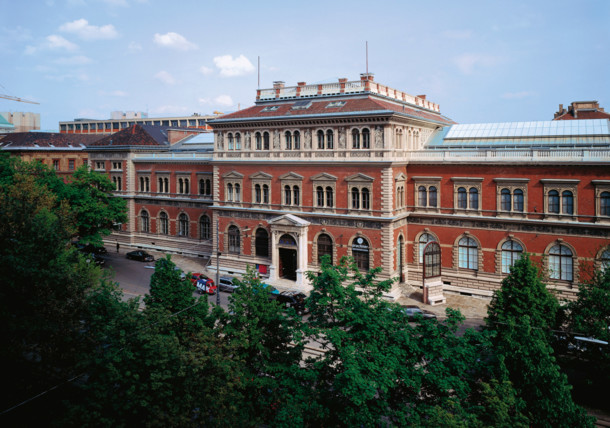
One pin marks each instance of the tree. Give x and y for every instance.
(520, 317)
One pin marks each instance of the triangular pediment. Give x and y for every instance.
(288, 220)
(324, 176)
(233, 174)
(291, 176)
(261, 176)
(400, 177)
(360, 177)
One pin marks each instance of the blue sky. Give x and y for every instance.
(482, 61)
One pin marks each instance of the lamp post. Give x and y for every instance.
(217, 265)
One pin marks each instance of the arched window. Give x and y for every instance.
(511, 252)
(288, 137)
(265, 194)
(329, 139)
(237, 141)
(160, 186)
(237, 193)
(146, 184)
(329, 197)
(605, 261)
(505, 200)
(462, 202)
(360, 253)
(518, 200)
(355, 139)
(554, 201)
(422, 196)
(474, 198)
(468, 253)
(202, 187)
(258, 141)
(320, 139)
(229, 192)
(366, 139)
(208, 187)
(257, 193)
(287, 195)
(183, 225)
(262, 243)
(560, 263)
(320, 196)
(355, 198)
(163, 223)
(423, 240)
(230, 141)
(604, 204)
(366, 199)
(180, 186)
(204, 227)
(265, 141)
(166, 182)
(144, 221)
(432, 196)
(296, 195)
(141, 184)
(325, 247)
(233, 240)
(297, 140)
(567, 202)
(187, 189)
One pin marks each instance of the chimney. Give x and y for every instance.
(278, 84)
(342, 82)
(300, 86)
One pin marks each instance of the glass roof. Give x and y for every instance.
(551, 128)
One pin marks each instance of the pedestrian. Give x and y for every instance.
(117, 247)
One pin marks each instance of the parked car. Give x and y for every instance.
(271, 289)
(90, 248)
(205, 286)
(97, 259)
(226, 283)
(197, 276)
(140, 255)
(412, 311)
(293, 299)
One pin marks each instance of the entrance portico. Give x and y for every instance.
(289, 249)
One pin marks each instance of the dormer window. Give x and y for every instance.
(301, 105)
(335, 104)
(270, 108)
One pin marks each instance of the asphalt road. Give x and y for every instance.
(134, 276)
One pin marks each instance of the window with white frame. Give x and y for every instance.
(423, 240)
(361, 138)
(183, 225)
(468, 253)
(560, 197)
(230, 141)
(361, 253)
(291, 183)
(330, 139)
(261, 187)
(118, 182)
(205, 186)
(324, 189)
(359, 188)
(163, 184)
(144, 183)
(602, 199)
(233, 238)
(604, 260)
(258, 141)
(205, 229)
(324, 247)
(163, 223)
(144, 221)
(467, 194)
(100, 165)
(320, 136)
(511, 251)
(561, 263)
(265, 140)
(233, 186)
(183, 185)
(427, 191)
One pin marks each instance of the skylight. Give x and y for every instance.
(336, 104)
(301, 105)
(271, 108)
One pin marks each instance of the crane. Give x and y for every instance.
(21, 100)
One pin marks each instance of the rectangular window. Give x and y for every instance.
(56, 164)
(71, 164)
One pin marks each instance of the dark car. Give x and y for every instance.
(140, 255)
(293, 299)
(90, 248)
(411, 311)
(95, 258)
(226, 283)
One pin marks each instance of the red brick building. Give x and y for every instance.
(355, 168)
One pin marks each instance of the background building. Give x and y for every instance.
(22, 121)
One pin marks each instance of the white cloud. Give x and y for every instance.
(467, 63)
(517, 95)
(53, 42)
(165, 77)
(205, 70)
(224, 100)
(233, 67)
(73, 60)
(134, 47)
(84, 30)
(174, 41)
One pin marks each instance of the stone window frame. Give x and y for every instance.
(253, 241)
(456, 253)
(369, 241)
(160, 223)
(416, 245)
(360, 181)
(324, 180)
(427, 182)
(117, 180)
(117, 166)
(510, 237)
(400, 184)
(560, 185)
(360, 143)
(227, 239)
(233, 178)
(314, 247)
(600, 186)
(179, 225)
(547, 264)
(599, 261)
(291, 179)
(100, 165)
(511, 184)
(165, 176)
(261, 179)
(56, 164)
(201, 224)
(205, 177)
(185, 176)
(143, 227)
(467, 183)
(144, 181)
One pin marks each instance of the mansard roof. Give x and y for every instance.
(46, 141)
(135, 136)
